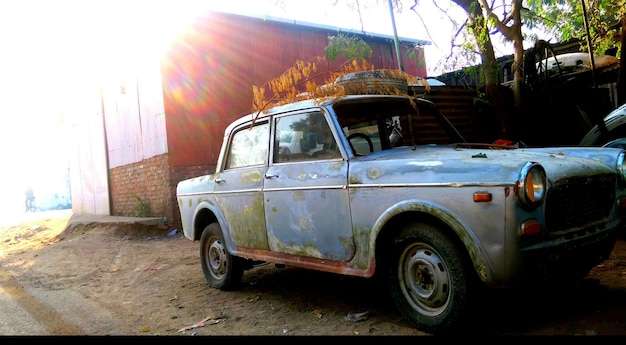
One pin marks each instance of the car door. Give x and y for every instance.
(305, 192)
(238, 188)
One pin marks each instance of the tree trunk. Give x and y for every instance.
(493, 90)
(621, 80)
(518, 55)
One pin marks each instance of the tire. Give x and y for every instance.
(383, 81)
(430, 279)
(221, 269)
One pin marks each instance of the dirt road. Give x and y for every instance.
(123, 277)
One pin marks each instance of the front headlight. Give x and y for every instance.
(621, 168)
(532, 188)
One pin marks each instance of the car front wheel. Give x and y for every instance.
(221, 270)
(429, 279)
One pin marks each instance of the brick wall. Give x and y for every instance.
(145, 181)
(151, 181)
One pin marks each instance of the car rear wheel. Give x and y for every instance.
(221, 270)
(429, 279)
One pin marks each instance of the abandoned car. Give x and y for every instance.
(385, 186)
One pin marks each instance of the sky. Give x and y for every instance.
(53, 51)
(51, 56)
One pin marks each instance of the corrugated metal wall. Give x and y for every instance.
(88, 165)
(135, 115)
(208, 75)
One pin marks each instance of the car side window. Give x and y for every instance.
(249, 146)
(303, 137)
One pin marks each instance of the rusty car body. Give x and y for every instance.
(378, 185)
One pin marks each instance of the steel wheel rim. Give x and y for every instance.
(424, 279)
(216, 258)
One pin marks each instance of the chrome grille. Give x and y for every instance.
(577, 202)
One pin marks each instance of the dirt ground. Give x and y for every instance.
(126, 278)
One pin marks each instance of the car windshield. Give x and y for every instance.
(375, 124)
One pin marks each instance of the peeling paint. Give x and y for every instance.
(373, 173)
(354, 179)
(348, 244)
(361, 259)
(247, 222)
(250, 176)
(305, 249)
(298, 195)
(308, 216)
(304, 222)
(336, 166)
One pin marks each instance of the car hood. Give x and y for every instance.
(445, 164)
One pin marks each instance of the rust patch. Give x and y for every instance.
(309, 262)
(516, 188)
(507, 191)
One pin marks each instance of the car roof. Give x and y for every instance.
(310, 104)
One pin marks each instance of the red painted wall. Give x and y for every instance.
(208, 75)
